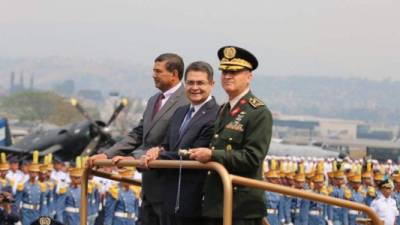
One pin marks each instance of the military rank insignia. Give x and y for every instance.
(255, 102)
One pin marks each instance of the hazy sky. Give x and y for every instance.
(351, 38)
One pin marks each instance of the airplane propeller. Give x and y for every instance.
(103, 133)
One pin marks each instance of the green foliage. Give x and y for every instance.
(42, 106)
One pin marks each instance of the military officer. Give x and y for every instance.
(336, 214)
(31, 193)
(58, 174)
(296, 205)
(4, 167)
(356, 196)
(275, 201)
(69, 200)
(14, 175)
(367, 188)
(396, 194)
(121, 202)
(48, 187)
(316, 212)
(385, 205)
(241, 140)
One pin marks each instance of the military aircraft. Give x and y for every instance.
(278, 148)
(65, 143)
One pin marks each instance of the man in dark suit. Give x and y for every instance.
(150, 132)
(241, 140)
(190, 127)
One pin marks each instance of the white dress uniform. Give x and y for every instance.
(60, 176)
(15, 178)
(386, 209)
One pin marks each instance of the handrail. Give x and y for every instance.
(227, 181)
(307, 195)
(172, 164)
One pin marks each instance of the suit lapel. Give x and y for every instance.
(196, 118)
(170, 103)
(147, 117)
(176, 126)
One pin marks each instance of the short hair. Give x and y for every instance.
(202, 67)
(173, 62)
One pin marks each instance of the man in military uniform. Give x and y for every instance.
(336, 213)
(367, 188)
(396, 193)
(384, 205)
(69, 200)
(356, 196)
(122, 205)
(14, 175)
(241, 140)
(30, 194)
(275, 201)
(296, 205)
(316, 212)
(4, 167)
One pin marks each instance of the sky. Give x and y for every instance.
(343, 38)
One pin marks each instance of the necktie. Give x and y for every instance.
(186, 121)
(157, 106)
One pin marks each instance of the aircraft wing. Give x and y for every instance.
(13, 150)
(52, 149)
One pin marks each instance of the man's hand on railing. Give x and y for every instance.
(116, 159)
(202, 155)
(94, 158)
(151, 154)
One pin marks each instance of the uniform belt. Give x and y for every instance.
(30, 206)
(72, 210)
(354, 212)
(272, 211)
(314, 213)
(125, 215)
(295, 210)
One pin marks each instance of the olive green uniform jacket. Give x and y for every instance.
(240, 143)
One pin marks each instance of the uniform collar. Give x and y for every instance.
(235, 100)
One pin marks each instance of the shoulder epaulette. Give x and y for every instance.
(347, 193)
(255, 102)
(62, 190)
(363, 192)
(20, 186)
(330, 189)
(113, 190)
(43, 186)
(50, 185)
(324, 191)
(90, 187)
(136, 190)
(371, 191)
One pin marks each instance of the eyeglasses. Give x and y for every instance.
(197, 83)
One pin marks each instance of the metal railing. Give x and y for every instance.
(227, 181)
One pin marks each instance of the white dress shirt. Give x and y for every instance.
(197, 107)
(168, 93)
(386, 209)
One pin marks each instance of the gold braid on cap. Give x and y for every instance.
(234, 64)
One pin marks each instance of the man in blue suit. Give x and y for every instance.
(190, 127)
